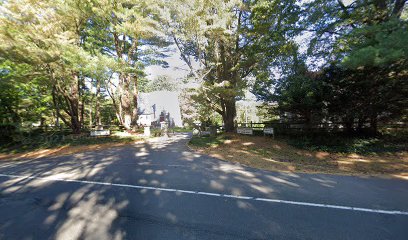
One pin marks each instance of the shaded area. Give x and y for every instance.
(36, 209)
(346, 143)
(267, 153)
(28, 142)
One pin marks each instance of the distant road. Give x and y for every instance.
(162, 190)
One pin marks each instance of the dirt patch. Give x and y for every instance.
(269, 154)
(64, 150)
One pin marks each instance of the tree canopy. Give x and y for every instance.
(70, 62)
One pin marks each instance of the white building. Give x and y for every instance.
(157, 106)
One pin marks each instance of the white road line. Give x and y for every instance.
(209, 194)
(358, 209)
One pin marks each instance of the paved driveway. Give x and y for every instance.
(162, 190)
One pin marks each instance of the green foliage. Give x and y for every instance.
(373, 92)
(46, 140)
(83, 61)
(298, 93)
(24, 96)
(267, 112)
(193, 110)
(208, 141)
(274, 25)
(160, 83)
(301, 94)
(337, 28)
(347, 144)
(74, 47)
(215, 35)
(362, 50)
(378, 45)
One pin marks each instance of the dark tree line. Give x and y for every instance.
(362, 71)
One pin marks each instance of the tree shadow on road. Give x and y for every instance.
(32, 208)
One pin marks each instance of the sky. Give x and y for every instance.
(177, 69)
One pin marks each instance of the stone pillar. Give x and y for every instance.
(164, 127)
(147, 131)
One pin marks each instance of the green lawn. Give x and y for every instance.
(208, 141)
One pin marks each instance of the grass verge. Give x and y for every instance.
(337, 143)
(46, 145)
(269, 154)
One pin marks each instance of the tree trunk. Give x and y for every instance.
(348, 122)
(57, 104)
(74, 105)
(90, 117)
(81, 87)
(229, 115)
(97, 104)
(134, 97)
(116, 105)
(42, 122)
(360, 124)
(373, 123)
(57, 110)
(126, 102)
(82, 115)
(307, 114)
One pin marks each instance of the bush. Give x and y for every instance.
(7, 131)
(348, 144)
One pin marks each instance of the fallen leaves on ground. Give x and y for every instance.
(63, 150)
(269, 154)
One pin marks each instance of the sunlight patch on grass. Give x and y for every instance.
(271, 154)
(403, 175)
(322, 155)
(67, 146)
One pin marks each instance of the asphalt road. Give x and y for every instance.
(162, 190)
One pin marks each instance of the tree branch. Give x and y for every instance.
(398, 7)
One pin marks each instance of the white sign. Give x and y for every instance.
(268, 131)
(147, 131)
(95, 133)
(247, 131)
